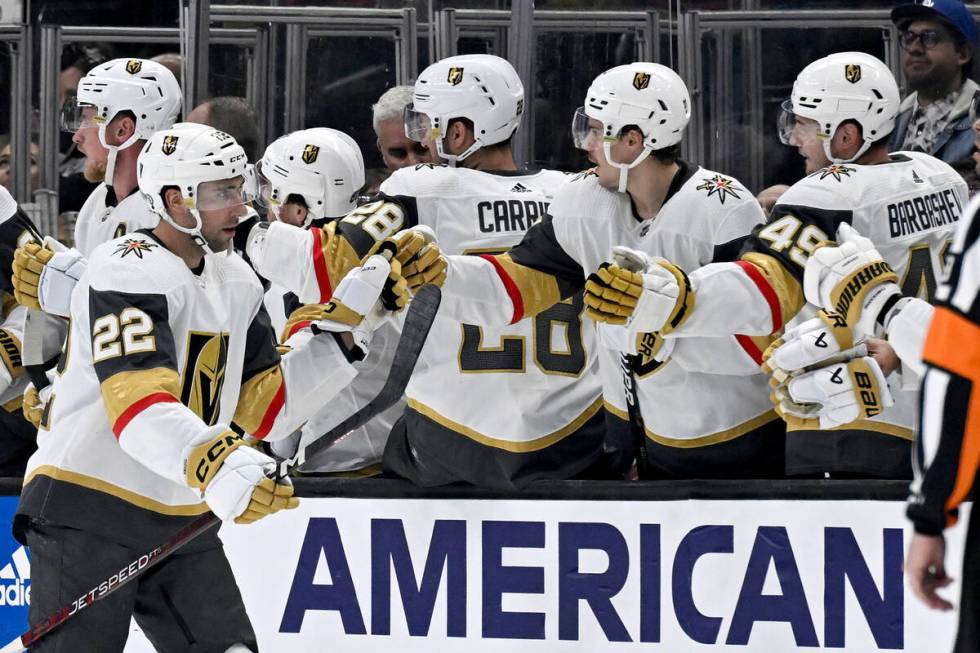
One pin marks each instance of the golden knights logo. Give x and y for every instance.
(455, 75)
(204, 374)
(641, 81)
(169, 145)
(310, 152)
(133, 246)
(852, 73)
(133, 66)
(722, 187)
(836, 171)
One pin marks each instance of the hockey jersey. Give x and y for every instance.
(98, 222)
(909, 208)
(494, 406)
(157, 355)
(696, 423)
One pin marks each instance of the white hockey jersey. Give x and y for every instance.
(98, 223)
(494, 406)
(158, 355)
(705, 217)
(909, 207)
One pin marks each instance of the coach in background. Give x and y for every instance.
(939, 39)
(397, 149)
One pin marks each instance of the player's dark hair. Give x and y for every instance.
(502, 145)
(665, 155)
(236, 117)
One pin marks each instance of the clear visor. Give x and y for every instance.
(975, 109)
(75, 115)
(226, 193)
(585, 131)
(794, 130)
(417, 125)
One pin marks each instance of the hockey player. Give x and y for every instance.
(119, 105)
(906, 203)
(640, 195)
(170, 351)
(495, 407)
(948, 438)
(307, 179)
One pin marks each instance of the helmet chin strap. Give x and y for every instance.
(453, 159)
(827, 142)
(110, 165)
(624, 168)
(194, 232)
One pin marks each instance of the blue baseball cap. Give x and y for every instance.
(951, 12)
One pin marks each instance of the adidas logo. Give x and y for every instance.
(15, 578)
(520, 188)
(916, 178)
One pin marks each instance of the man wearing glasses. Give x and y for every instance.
(938, 39)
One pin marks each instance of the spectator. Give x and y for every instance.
(6, 178)
(232, 115)
(397, 149)
(938, 39)
(174, 63)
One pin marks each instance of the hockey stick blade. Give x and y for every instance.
(421, 312)
(126, 574)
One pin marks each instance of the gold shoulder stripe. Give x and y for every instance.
(789, 293)
(125, 389)
(261, 399)
(333, 258)
(526, 446)
(538, 290)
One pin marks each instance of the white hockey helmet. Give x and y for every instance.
(648, 95)
(844, 86)
(187, 156)
(145, 87)
(323, 166)
(479, 87)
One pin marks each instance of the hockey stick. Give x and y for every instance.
(418, 321)
(421, 312)
(126, 574)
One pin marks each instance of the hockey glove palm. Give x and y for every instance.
(45, 275)
(235, 480)
(646, 295)
(852, 278)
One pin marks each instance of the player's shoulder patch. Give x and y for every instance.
(584, 174)
(721, 188)
(835, 172)
(136, 246)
